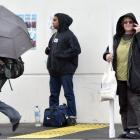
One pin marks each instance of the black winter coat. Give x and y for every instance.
(134, 55)
(63, 50)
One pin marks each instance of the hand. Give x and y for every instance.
(137, 28)
(109, 57)
(47, 50)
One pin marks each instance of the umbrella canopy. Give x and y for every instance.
(14, 37)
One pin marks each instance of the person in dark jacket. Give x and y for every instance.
(126, 63)
(63, 51)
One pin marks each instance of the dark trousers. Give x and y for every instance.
(134, 100)
(128, 106)
(55, 87)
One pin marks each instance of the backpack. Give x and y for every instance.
(13, 68)
(55, 116)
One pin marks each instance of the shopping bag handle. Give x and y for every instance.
(110, 66)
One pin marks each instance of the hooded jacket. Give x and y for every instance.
(134, 54)
(63, 49)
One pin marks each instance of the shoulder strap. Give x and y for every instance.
(10, 84)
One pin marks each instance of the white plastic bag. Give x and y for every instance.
(108, 85)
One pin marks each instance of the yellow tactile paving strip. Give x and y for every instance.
(62, 131)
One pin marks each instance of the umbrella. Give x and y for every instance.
(14, 37)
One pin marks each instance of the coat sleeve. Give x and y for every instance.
(105, 53)
(137, 37)
(107, 49)
(73, 48)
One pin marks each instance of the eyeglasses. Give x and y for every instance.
(130, 22)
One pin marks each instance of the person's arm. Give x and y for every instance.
(73, 49)
(2, 82)
(47, 50)
(137, 35)
(137, 28)
(105, 53)
(107, 56)
(137, 38)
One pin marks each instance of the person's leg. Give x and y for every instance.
(69, 94)
(122, 95)
(11, 113)
(132, 121)
(134, 103)
(55, 87)
(125, 109)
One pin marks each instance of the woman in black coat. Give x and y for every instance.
(126, 63)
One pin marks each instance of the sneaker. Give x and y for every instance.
(134, 134)
(123, 135)
(15, 125)
(71, 121)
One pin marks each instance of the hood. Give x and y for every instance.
(119, 28)
(64, 21)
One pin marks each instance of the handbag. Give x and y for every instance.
(108, 84)
(55, 116)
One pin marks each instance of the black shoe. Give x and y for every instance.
(125, 132)
(15, 126)
(134, 134)
(123, 135)
(71, 121)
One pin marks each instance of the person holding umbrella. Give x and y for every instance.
(126, 63)
(63, 51)
(14, 41)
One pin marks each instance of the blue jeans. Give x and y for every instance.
(10, 112)
(55, 87)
